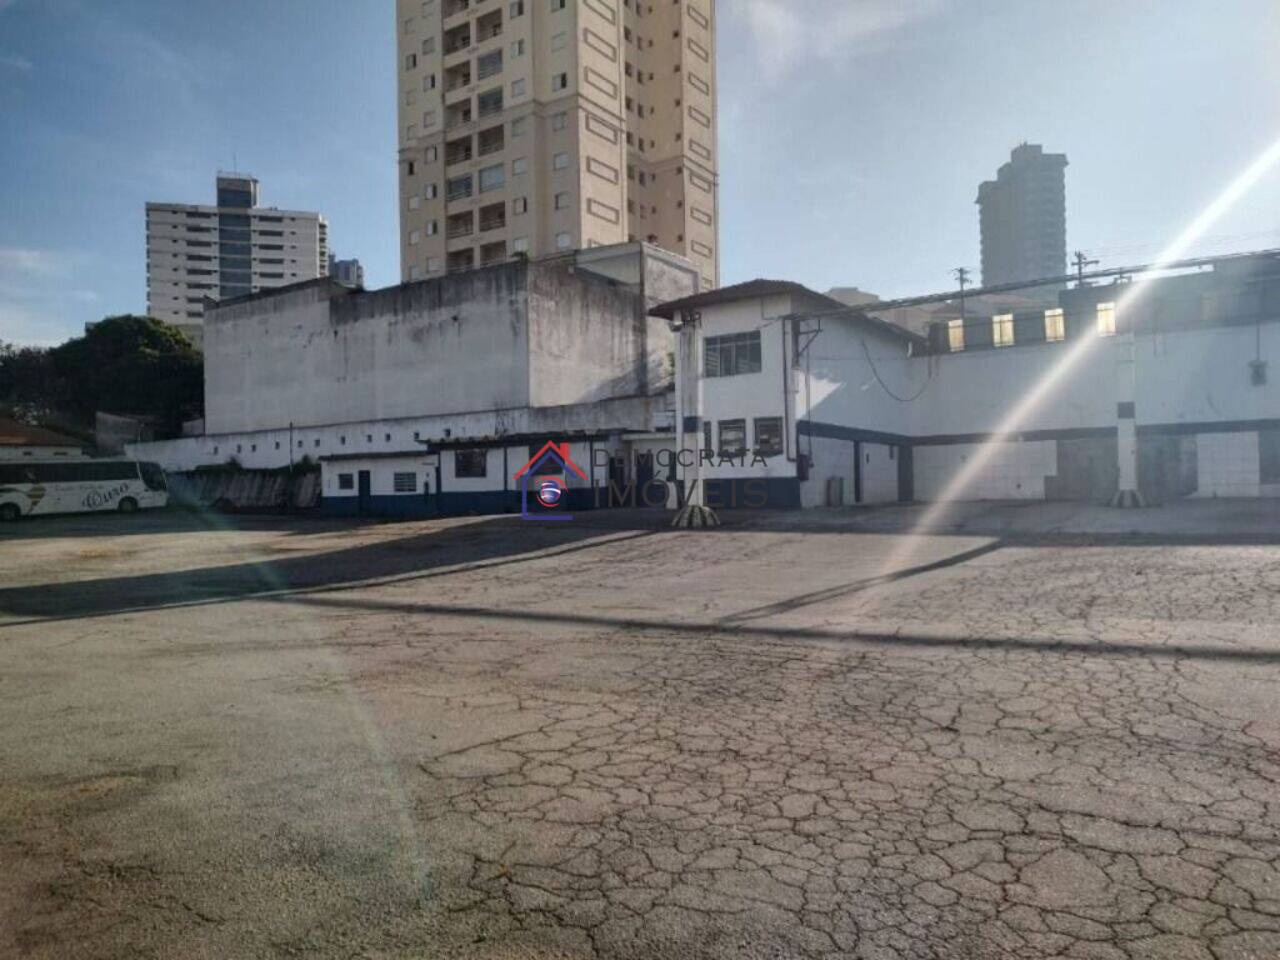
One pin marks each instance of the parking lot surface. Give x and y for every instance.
(486, 738)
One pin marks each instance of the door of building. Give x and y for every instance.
(365, 504)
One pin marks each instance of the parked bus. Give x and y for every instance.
(79, 486)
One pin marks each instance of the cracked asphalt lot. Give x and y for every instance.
(492, 739)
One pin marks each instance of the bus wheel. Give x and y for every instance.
(127, 505)
(9, 512)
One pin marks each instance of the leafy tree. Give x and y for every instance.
(126, 364)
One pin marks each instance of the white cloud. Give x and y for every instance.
(26, 262)
(790, 33)
(14, 62)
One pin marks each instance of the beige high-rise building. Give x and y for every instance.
(535, 126)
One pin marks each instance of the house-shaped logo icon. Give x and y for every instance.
(546, 473)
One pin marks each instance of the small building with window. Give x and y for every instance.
(22, 441)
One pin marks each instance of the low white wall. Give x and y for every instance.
(1014, 471)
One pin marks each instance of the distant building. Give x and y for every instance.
(1023, 217)
(228, 250)
(349, 273)
(536, 127)
(21, 441)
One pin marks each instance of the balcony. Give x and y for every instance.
(458, 189)
(491, 140)
(457, 115)
(489, 102)
(459, 38)
(489, 64)
(453, 7)
(457, 151)
(493, 217)
(493, 253)
(460, 225)
(455, 78)
(489, 26)
(461, 260)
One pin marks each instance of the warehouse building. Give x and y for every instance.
(427, 397)
(1174, 390)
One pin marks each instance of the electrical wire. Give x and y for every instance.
(885, 387)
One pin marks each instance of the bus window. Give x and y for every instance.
(153, 476)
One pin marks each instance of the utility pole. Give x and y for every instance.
(1081, 262)
(962, 277)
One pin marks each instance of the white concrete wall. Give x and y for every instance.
(321, 355)
(1227, 465)
(270, 449)
(879, 473)
(40, 453)
(1014, 471)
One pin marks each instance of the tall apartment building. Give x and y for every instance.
(1023, 217)
(534, 126)
(349, 273)
(223, 251)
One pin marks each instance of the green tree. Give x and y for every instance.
(126, 364)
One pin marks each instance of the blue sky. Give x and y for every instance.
(853, 133)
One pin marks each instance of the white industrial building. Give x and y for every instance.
(197, 253)
(1172, 397)
(428, 397)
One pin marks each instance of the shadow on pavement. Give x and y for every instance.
(477, 544)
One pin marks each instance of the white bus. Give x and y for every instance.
(34, 488)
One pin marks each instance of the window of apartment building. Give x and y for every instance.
(489, 102)
(520, 245)
(517, 49)
(432, 154)
(415, 237)
(1002, 329)
(429, 82)
(559, 81)
(516, 9)
(562, 200)
(563, 241)
(519, 126)
(559, 40)
(733, 438)
(768, 436)
(557, 5)
(430, 190)
(429, 119)
(404, 482)
(488, 64)
(415, 202)
(433, 265)
(346, 481)
(520, 205)
(732, 354)
(469, 463)
(1055, 326)
(429, 45)
(517, 88)
(432, 227)
(410, 61)
(410, 168)
(520, 165)
(415, 272)
(560, 161)
(1106, 319)
(492, 178)
(955, 335)
(559, 120)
